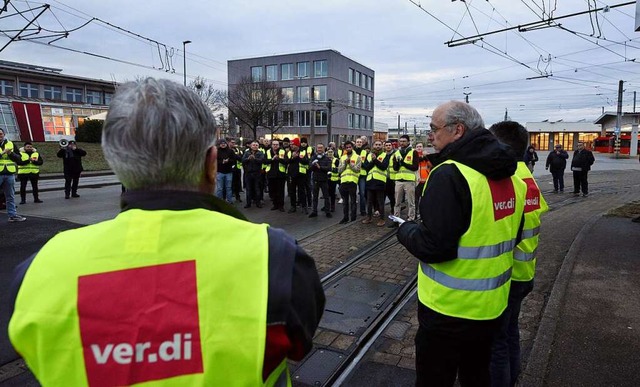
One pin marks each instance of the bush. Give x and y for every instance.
(90, 131)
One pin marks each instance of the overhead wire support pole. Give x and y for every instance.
(44, 9)
(453, 43)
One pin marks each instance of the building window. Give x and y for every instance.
(6, 87)
(356, 78)
(287, 118)
(286, 70)
(350, 103)
(74, 95)
(52, 92)
(29, 90)
(320, 93)
(256, 73)
(350, 120)
(304, 118)
(287, 95)
(303, 94)
(320, 69)
(107, 98)
(370, 103)
(303, 69)
(94, 97)
(321, 118)
(351, 72)
(7, 121)
(363, 81)
(272, 73)
(358, 98)
(370, 84)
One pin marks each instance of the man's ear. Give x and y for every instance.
(460, 129)
(210, 170)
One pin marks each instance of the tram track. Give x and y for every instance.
(364, 294)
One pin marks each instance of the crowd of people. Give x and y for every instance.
(356, 174)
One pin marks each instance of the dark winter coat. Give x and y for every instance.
(320, 166)
(582, 160)
(252, 165)
(229, 155)
(530, 158)
(71, 160)
(557, 160)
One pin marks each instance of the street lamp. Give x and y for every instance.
(184, 53)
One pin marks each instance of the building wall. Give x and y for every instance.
(39, 103)
(338, 87)
(545, 135)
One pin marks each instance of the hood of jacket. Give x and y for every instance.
(481, 151)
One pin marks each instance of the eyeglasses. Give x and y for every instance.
(434, 128)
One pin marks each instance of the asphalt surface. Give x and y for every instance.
(588, 332)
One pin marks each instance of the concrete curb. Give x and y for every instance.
(538, 361)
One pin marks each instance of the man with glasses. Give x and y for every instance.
(464, 246)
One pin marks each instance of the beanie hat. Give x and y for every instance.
(286, 139)
(295, 141)
(303, 139)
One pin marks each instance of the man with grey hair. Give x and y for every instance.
(471, 216)
(162, 292)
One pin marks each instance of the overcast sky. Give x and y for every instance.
(402, 42)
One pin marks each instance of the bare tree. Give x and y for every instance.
(212, 97)
(256, 104)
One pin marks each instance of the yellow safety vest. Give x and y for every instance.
(30, 167)
(524, 256)
(6, 164)
(152, 303)
(238, 152)
(348, 175)
(375, 172)
(281, 167)
(334, 175)
(363, 158)
(302, 168)
(404, 173)
(475, 285)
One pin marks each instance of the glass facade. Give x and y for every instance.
(63, 120)
(8, 121)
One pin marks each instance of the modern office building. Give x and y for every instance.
(323, 91)
(40, 103)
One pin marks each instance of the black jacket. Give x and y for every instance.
(252, 165)
(230, 156)
(274, 171)
(557, 160)
(71, 160)
(320, 165)
(445, 208)
(582, 159)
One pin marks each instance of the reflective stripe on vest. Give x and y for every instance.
(348, 175)
(30, 167)
(238, 152)
(375, 172)
(144, 304)
(281, 153)
(6, 164)
(524, 255)
(404, 173)
(475, 285)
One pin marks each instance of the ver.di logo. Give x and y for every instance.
(139, 325)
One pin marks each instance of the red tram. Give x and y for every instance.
(605, 144)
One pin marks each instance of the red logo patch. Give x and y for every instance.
(504, 198)
(140, 324)
(532, 202)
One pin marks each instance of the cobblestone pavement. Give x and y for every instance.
(607, 190)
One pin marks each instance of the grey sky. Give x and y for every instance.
(415, 70)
